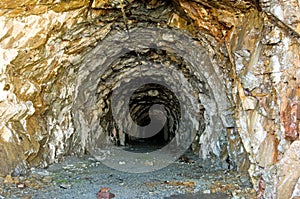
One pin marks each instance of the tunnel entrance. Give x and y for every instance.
(128, 74)
(141, 65)
(135, 65)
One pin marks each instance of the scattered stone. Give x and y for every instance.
(26, 197)
(20, 185)
(184, 159)
(104, 193)
(20, 170)
(149, 163)
(11, 180)
(41, 172)
(47, 179)
(65, 185)
(207, 191)
(199, 195)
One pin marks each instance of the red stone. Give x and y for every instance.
(290, 118)
(104, 193)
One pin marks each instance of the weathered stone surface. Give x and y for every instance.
(296, 192)
(22, 8)
(290, 109)
(23, 56)
(107, 4)
(286, 11)
(235, 142)
(288, 171)
(209, 18)
(249, 103)
(268, 152)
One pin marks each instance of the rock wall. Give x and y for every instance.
(253, 47)
(267, 94)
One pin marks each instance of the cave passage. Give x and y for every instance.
(130, 84)
(134, 65)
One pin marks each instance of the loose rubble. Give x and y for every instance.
(84, 177)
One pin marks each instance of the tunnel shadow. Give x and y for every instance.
(144, 145)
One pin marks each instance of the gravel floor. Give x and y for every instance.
(83, 178)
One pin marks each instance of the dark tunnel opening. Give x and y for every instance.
(145, 96)
(139, 106)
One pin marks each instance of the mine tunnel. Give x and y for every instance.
(161, 96)
(144, 68)
(144, 97)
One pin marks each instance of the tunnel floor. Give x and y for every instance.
(84, 177)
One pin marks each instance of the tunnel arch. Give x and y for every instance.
(98, 64)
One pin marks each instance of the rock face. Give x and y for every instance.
(241, 60)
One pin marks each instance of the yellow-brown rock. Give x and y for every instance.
(289, 171)
(268, 152)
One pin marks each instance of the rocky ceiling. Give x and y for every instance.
(237, 64)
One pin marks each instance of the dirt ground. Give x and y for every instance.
(84, 177)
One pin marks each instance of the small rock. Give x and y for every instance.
(33, 185)
(184, 159)
(20, 185)
(151, 192)
(47, 179)
(41, 172)
(104, 193)
(148, 163)
(206, 191)
(122, 163)
(20, 170)
(84, 165)
(65, 185)
(26, 197)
